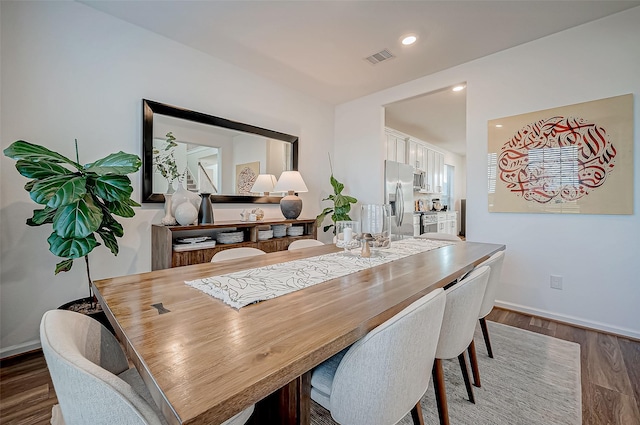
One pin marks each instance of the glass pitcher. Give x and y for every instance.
(375, 225)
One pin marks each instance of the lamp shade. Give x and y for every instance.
(290, 181)
(264, 183)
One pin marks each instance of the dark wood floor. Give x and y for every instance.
(610, 376)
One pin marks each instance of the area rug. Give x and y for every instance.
(533, 379)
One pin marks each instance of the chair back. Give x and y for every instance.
(461, 313)
(304, 243)
(233, 253)
(84, 358)
(383, 375)
(439, 236)
(495, 264)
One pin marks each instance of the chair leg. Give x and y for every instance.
(465, 375)
(473, 359)
(416, 414)
(441, 393)
(485, 334)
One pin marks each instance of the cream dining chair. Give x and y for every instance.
(456, 334)
(383, 376)
(304, 243)
(234, 253)
(495, 264)
(92, 378)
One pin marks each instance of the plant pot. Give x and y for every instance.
(83, 305)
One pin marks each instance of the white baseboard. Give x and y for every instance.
(25, 347)
(571, 320)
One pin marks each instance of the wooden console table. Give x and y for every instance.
(163, 256)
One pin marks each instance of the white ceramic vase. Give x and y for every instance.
(183, 195)
(168, 219)
(186, 214)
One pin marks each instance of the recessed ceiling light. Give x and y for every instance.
(498, 125)
(409, 39)
(458, 88)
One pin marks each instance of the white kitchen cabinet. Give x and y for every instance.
(412, 154)
(396, 148)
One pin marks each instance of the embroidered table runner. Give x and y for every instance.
(245, 287)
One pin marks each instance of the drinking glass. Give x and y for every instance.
(376, 225)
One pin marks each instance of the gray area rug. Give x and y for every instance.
(533, 379)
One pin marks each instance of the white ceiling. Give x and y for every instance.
(318, 47)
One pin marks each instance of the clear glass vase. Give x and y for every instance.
(375, 224)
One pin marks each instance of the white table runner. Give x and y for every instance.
(246, 287)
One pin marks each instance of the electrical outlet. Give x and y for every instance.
(556, 282)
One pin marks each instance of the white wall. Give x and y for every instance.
(595, 254)
(69, 71)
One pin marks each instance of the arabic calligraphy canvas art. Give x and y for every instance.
(575, 159)
(246, 175)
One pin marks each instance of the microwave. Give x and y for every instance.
(419, 180)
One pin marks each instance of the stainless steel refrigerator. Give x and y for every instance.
(399, 194)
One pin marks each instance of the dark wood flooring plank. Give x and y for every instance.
(606, 366)
(631, 356)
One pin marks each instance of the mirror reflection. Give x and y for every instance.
(210, 155)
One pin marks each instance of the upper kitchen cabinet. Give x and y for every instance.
(409, 150)
(396, 147)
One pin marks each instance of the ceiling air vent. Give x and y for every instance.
(382, 55)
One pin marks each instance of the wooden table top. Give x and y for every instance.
(204, 361)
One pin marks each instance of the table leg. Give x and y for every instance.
(290, 405)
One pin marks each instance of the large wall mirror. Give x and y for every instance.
(210, 154)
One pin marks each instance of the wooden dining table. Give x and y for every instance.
(204, 361)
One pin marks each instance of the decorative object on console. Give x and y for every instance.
(575, 159)
(264, 184)
(279, 230)
(182, 195)
(205, 213)
(168, 219)
(230, 237)
(186, 214)
(290, 182)
(341, 204)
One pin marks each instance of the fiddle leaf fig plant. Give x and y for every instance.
(341, 204)
(79, 201)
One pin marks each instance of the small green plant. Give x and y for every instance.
(78, 200)
(341, 205)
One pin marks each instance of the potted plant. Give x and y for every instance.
(79, 201)
(341, 204)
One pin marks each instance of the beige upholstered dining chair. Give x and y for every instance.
(439, 236)
(92, 378)
(383, 376)
(495, 264)
(456, 334)
(304, 243)
(233, 253)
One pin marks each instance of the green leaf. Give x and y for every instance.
(326, 228)
(40, 170)
(113, 188)
(64, 266)
(116, 163)
(42, 216)
(78, 220)
(110, 223)
(58, 190)
(28, 186)
(35, 153)
(122, 208)
(71, 247)
(337, 186)
(109, 240)
(320, 218)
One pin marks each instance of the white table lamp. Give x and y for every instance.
(290, 182)
(264, 184)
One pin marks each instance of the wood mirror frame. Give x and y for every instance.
(149, 108)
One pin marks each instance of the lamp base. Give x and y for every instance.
(291, 206)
